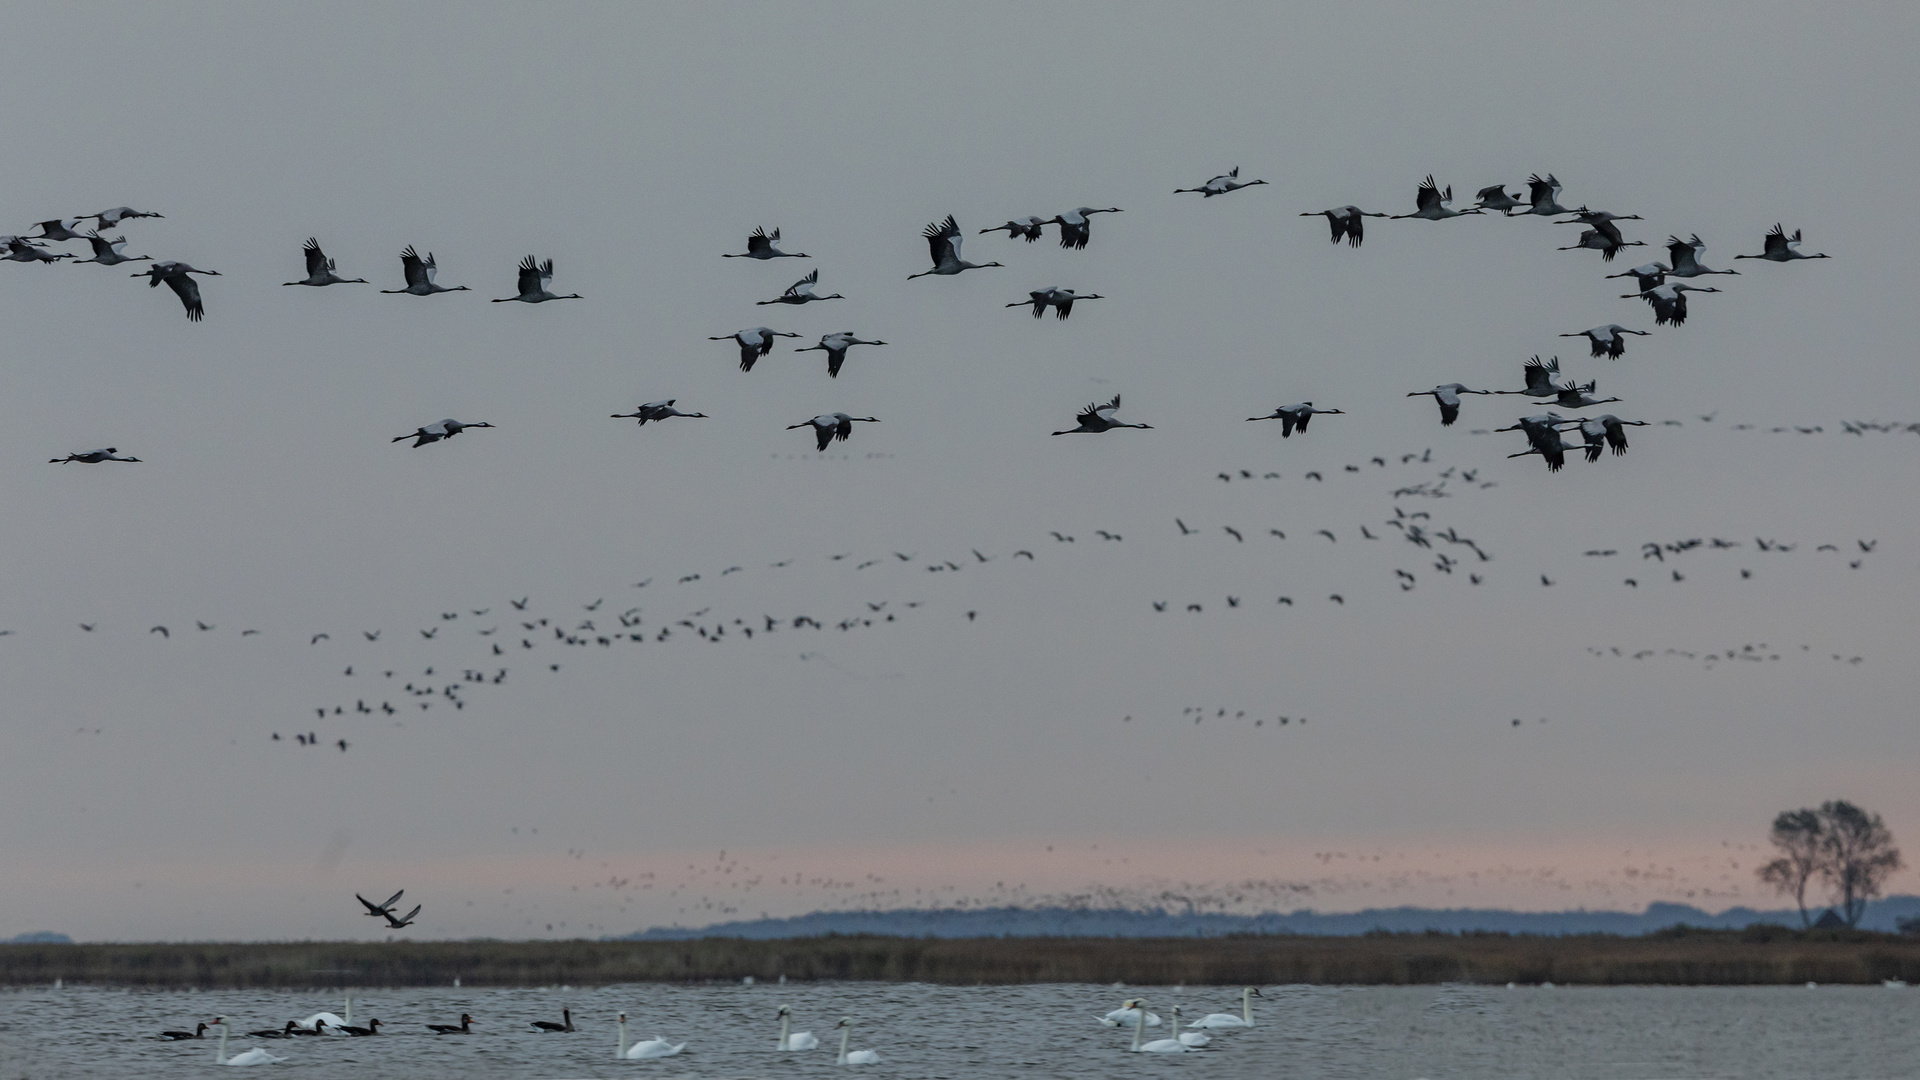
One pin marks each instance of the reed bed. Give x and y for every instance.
(1757, 956)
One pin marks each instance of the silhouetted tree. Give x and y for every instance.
(1798, 834)
(1848, 849)
(1857, 856)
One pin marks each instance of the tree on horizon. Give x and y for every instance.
(1848, 849)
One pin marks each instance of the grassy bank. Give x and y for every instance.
(1681, 957)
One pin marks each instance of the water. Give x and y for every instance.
(1397, 1033)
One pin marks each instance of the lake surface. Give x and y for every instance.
(1379, 1033)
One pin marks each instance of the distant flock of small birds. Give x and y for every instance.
(1599, 434)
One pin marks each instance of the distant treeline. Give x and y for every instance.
(1757, 955)
(1084, 921)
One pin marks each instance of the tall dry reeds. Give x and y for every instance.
(1679, 957)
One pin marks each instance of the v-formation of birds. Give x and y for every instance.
(1663, 286)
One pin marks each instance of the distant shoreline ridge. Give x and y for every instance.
(1057, 921)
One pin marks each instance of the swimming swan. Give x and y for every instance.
(797, 1040)
(255, 1056)
(1195, 1039)
(856, 1057)
(655, 1047)
(1157, 1046)
(1125, 1014)
(1228, 1020)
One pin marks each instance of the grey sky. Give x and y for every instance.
(633, 145)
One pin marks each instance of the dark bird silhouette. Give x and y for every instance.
(1779, 247)
(1295, 416)
(943, 244)
(801, 292)
(566, 1024)
(1097, 418)
(760, 245)
(534, 278)
(1348, 223)
(420, 273)
(175, 274)
(320, 268)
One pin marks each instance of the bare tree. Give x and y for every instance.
(1800, 836)
(1856, 857)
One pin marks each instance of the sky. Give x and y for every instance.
(1027, 729)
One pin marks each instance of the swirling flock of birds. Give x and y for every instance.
(518, 629)
(1663, 286)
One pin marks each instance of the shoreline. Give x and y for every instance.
(1680, 957)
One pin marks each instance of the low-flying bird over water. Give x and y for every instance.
(1220, 185)
(830, 426)
(1348, 223)
(445, 429)
(534, 279)
(1097, 418)
(1295, 416)
(420, 273)
(760, 245)
(383, 909)
(755, 342)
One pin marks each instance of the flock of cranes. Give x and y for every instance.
(1663, 286)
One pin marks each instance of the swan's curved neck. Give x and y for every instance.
(220, 1052)
(1246, 1006)
(845, 1034)
(621, 1053)
(786, 1024)
(1139, 1023)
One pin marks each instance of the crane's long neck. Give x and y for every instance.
(1139, 1022)
(845, 1034)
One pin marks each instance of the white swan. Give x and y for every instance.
(655, 1047)
(1127, 1014)
(855, 1057)
(255, 1056)
(1195, 1039)
(1157, 1046)
(796, 1040)
(333, 1021)
(1228, 1020)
